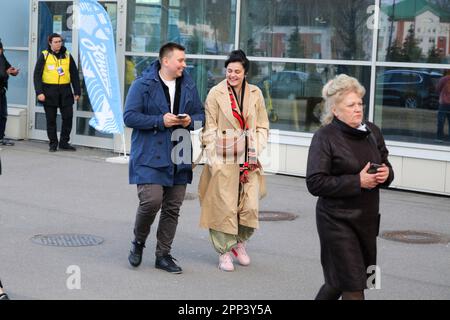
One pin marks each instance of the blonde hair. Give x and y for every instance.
(334, 91)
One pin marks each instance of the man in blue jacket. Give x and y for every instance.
(161, 104)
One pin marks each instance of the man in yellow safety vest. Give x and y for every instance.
(54, 73)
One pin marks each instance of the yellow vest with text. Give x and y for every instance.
(50, 74)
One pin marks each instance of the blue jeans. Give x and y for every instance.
(3, 112)
(443, 112)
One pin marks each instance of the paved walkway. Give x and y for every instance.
(63, 192)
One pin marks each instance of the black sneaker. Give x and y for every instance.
(167, 263)
(67, 147)
(6, 142)
(135, 256)
(52, 149)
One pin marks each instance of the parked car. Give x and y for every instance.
(408, 88)
(292, 84)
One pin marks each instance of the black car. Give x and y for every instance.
(408, 88)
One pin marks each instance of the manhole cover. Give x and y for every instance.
(420, 237)
(67, 240)
(276, 216)
(190, 196)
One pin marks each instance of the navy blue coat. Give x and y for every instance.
(151, 145)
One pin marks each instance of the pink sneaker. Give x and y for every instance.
(226, 262)
(241, 254)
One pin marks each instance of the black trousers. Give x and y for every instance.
(3, 112)
(66, 128)
(153, 197)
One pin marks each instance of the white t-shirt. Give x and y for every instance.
(172, 85)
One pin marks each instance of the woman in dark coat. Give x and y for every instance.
(347, 215)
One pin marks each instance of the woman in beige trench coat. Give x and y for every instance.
(232, 181)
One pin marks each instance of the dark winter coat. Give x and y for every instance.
(57, 94)
(4, 65)
(347, 216)
(151, 144)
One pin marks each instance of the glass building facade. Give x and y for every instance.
(398, 50)
(298, 45)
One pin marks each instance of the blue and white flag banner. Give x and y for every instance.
(99, 64)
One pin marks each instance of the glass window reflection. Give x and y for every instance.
(84, 129)
(414, 31)
(18, 85)
(293, 92)
(12, 13)
(203, 27)
(413, 104)
(307, 29)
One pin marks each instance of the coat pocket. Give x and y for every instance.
(153, 160)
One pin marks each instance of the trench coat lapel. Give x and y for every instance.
(225, 104)
(248, 101)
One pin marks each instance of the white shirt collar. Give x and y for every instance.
(362, 127)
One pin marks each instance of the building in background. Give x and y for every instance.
(295, 47)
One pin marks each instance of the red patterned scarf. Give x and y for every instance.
(250, 153)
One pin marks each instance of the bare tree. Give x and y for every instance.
(349, 19)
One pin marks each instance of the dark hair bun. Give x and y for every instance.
(238, 56)
(240, 52)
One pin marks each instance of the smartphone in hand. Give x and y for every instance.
(182, 115)
(374, 168)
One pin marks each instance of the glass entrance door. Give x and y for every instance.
(58, 16)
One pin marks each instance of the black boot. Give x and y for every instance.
(168, 264)
(3, 296)
(67, 147)
(328, 292)
(135, 256)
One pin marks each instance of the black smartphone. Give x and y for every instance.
(374, 168)
(181, 115)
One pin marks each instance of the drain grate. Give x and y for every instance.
(67, 240)
(190, 196)
(418, 237)
(276, 216)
